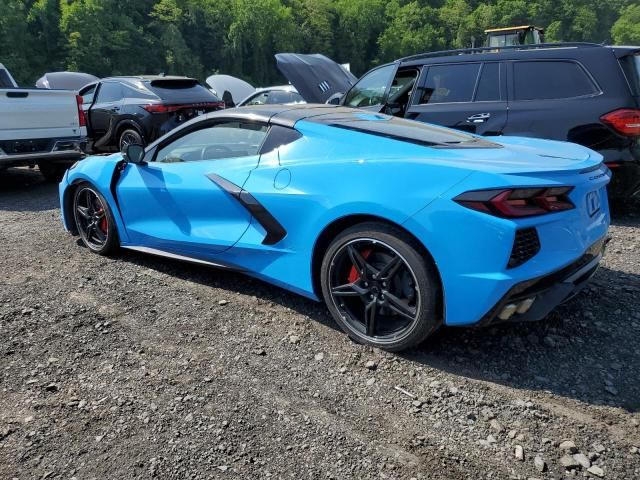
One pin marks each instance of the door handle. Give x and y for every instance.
(479, 118)
(114, 109)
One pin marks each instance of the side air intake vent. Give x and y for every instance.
(525, 247)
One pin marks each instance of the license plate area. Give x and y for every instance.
(594, 202)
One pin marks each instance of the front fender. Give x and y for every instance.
(101, 172)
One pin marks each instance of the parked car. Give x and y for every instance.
(237, 93)
(39, 127)
(400, 226)
(125, 110)
(65, 80)
(578, 92)
(278, 95)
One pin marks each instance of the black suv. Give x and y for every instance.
(578, 92)
(125, 110)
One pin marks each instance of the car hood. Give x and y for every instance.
(315, 76)
(65, 80)
(239, 89)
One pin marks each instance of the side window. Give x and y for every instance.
(223, 140)
(279, 136)
(449, 83)
(283, 97)
(5, 81)
(489, 83)
(88, 94)
(109, 92)
(545, 80)
(259, 99)
(371, 88)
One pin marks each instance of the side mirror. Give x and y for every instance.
(135, 154)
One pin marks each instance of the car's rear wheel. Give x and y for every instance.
(94, 220)
(380, 288)
(128, 137)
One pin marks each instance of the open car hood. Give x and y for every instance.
(65, 80)
(239, 89)
(316, 77)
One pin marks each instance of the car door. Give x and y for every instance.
(556, 99)
(370, 92)
(465, 96)
(105, 108)
(179, 201)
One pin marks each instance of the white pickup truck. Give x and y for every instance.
(40, 127)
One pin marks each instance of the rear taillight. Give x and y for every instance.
(162, 108)
(625, 121)
(81, 118)
(518, 202)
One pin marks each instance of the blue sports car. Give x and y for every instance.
(399, 226)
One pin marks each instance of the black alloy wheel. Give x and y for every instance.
(129, 137)
(94, 220)
(379, 288)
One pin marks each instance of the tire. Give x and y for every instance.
(129, 136)
(94, 220)
(52, 172)
(395, 311)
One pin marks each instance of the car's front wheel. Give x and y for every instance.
(380, 288)
(94, 220)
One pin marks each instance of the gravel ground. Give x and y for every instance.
(137, 367)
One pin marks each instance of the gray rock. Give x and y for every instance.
(582, 459)
(496, 425)
(371, 365)
(595, 470)
(294, 339)
(539, 463)
(568, 462)
(599, 448)
(319, 356)
(568, 446)
(519, 453)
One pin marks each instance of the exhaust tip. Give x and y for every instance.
(508, 311)
(525, 305)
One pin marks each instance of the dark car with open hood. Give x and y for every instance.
(137, 110)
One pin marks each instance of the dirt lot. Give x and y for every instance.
(137, 367)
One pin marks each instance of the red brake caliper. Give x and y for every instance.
(104, 225)
(354, 274)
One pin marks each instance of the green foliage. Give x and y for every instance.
(626, 30)
(240, 37)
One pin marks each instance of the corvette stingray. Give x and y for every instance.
(400, 227)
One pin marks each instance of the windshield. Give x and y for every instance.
(371, 88)
(177, 90)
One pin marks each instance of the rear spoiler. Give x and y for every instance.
(623, 51)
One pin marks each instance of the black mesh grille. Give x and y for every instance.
(525, 247)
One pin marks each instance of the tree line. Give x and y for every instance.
(239, 37)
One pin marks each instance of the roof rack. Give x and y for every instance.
(469, 51)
